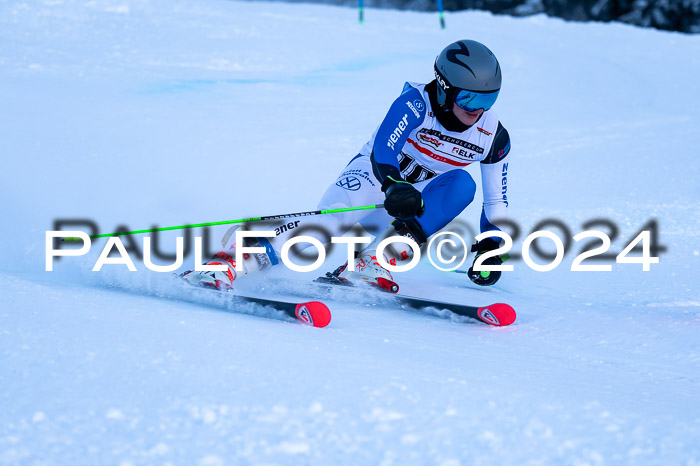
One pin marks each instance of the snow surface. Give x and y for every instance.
(171, 112)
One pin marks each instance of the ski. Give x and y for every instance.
(313, 313)
(497, 314)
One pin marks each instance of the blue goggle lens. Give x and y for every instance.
(472, 101)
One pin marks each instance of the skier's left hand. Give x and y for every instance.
(486, 278)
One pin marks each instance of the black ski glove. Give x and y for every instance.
(486, 278)
(403, 200)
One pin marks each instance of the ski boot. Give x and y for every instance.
(366, 265)
(223, 280)
(220, 280)
(367, 268)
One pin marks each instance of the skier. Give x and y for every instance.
(414, 164)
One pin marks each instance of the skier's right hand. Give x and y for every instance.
(403, 200)
(485, 277)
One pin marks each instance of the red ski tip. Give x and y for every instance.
(313, 313)
(498, 314)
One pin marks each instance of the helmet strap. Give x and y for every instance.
(443, 86)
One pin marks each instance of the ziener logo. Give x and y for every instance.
(398, 131)
(504, 183)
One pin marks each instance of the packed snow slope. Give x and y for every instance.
(171, 112)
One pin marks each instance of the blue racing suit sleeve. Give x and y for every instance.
(406, 114)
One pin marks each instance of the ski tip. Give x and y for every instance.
(499, 314)
(313, 313)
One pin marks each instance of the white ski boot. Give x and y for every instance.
(223, 280)
(367, 268)
(220, 280)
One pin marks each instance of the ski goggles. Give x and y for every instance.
(472, 101)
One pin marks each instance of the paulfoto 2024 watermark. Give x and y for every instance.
(446, 250)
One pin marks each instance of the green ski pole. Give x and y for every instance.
(240, 220)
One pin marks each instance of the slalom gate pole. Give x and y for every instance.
(362, 11)
(240, 220)
(442, 15)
